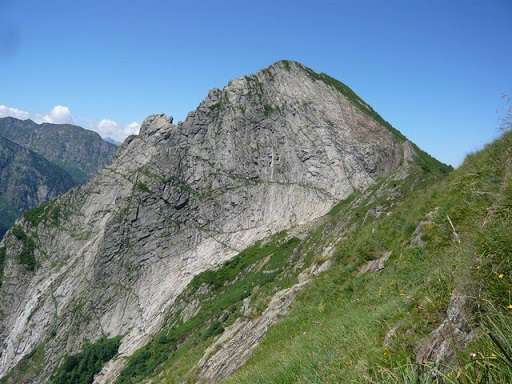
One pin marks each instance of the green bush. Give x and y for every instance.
(2, 262)
(82, 367)
(216, 328)
(141, 186)
(47, 213)
(144, 361)
(270, 109)
(26, 255)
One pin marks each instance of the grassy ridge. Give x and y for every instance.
(336, 330)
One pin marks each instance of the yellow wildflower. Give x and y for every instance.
(509, 306)
(500, 276)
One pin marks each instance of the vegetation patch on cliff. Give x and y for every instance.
(29, 367)
(2, 262)
(82, 367)
(48, 213)
(26, 254)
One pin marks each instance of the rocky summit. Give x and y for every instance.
(271, 151)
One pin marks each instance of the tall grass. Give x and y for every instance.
(486, 361)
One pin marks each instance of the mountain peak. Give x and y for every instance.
(154, 123)
(270, 151)
(286, 65)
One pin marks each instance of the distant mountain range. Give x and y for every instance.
(112, 141)
(78, 151)
(41, 161)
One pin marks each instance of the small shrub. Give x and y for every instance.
(82, 367)
(141, 186)
(216, 328)
(2, 262)
(270, 109)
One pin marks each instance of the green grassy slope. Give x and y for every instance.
(336, 330)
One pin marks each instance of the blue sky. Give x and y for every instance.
(435, 69)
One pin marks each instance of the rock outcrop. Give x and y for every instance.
(375, 265)
(451, 336)
(234, 347)
(267, 152)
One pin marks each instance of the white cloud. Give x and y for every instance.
(133, 128)
(108, 128)
(60, 114)
(6, 111)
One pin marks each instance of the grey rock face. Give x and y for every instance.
(375, 265)
(452, 335)
(267, 152)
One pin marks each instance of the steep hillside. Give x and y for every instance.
(219, 321)
(119, 256)
(435, 309)
(26, 180)
(80, 152)
(431, 305)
